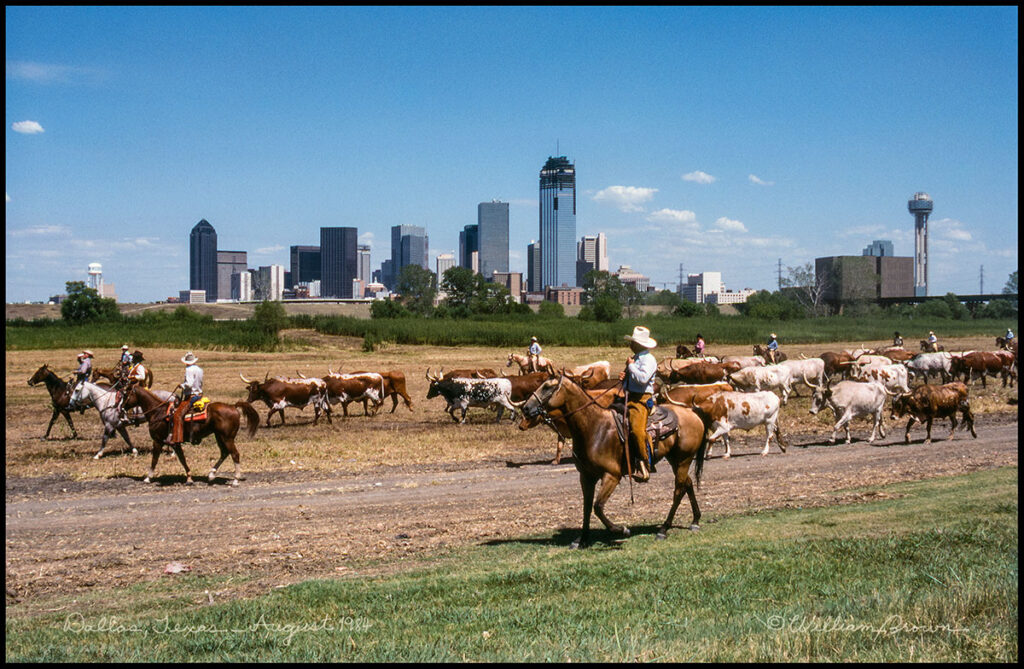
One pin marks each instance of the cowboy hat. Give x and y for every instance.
(125, 347)
(641, 336)
(88, 353)
(533, 339)
(772, 335)
(137, 355)
(190, 358)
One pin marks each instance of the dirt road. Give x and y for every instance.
(64, 536)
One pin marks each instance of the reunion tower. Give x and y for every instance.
(920, 206)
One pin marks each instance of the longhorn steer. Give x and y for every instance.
(926, 364)
(690, 395)
(771, 377)
(980, 363)
(836, 363)
(278, 393)
(702, 372)
(732, 410)
(849, 400)
(589, 376)
(358, 387)
(893, 376)
(462, 393)
(928, 402)
(806, 368)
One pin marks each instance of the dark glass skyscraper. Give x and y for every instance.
(469, 243)
(202, 259)
(338, 261)
(305, 264)
(558, 222)
(492, 222)
(409, 246)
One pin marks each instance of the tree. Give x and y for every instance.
(1011, 284)
(271, 316)
(771, 306)
(461, 285)
(808, 288)
(688, 309)
(84, 304)
(607, 309)
(417, 288)
(550, 310)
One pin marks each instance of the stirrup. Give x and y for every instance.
(640, 474)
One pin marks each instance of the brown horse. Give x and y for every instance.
(763, 352)
(222, 420)
(113, 375)
(60, 394)
(599, 452)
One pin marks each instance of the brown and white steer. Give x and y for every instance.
(278, 393)
(928, 402)
(981, 363)
(394, 387)
(770, 377)
(361, 387)
(689, 395)
(893, 377)
(731, 410)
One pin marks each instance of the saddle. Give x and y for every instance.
(661, 423)
(195, 414)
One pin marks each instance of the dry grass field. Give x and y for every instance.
(375, 493)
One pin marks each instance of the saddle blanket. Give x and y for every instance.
(198, 412)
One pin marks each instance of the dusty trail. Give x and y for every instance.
(63, 536)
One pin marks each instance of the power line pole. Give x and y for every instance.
(780, 273)
(679, 288)
(981, 281)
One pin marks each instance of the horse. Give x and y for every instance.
(60, 395)
(108, 403)
(929, 347)
(543, 364)
(600, 455)
(114, 374)
(763, 352)
(222, 420)
(683, 352)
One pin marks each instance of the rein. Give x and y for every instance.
(593, 400)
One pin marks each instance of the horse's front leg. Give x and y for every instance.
(158, 447)
(124, 434)
(608, 484)
(181, 458)
(587, 483)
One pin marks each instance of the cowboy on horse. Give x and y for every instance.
(191, 392)
(639, 382)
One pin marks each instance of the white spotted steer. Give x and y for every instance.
(745, 411)
(849, 400)
(462, 393)
(771, 377)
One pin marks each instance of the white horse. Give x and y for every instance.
(105, 400)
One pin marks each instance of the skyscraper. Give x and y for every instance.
(305, 264)
(229, 263)
(409, 246)
(558, 222)
(592, 254)
(533, 282)
(492, 222)
(338, 264)
(469, 243)
(364, 274)
(202, 259)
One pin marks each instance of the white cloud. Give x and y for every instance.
(625, 198)
(27, 127)
(45, 73)
(699, 177)
(267, 250)
(951, 229)
(41, 230)
(672, 216)
(759, 181)
(728, 225)
(366, 239)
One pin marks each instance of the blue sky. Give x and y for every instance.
(722, 139)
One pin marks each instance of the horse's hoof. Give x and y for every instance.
(695, 527)
(660, 536)
(625, 532)
(234, 482)
(146, 480)
(96, 457)
(135, 451)
(189, 481)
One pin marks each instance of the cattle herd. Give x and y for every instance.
(732, 392)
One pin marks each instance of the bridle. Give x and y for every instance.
(542, 410)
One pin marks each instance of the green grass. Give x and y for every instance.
(514, 331)
(145, 333)
(927, 574)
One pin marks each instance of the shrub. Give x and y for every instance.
(551, 310)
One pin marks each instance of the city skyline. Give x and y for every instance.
(733, 137)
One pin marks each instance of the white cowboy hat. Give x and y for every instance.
(190, 358)
(642, 336)
(533, 339)
(125, 347)
(88, 353)
(773, 335)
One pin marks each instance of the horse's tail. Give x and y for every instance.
(702, 449)
(252, 419)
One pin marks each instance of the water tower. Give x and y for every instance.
(96, 277)
(920, 206)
